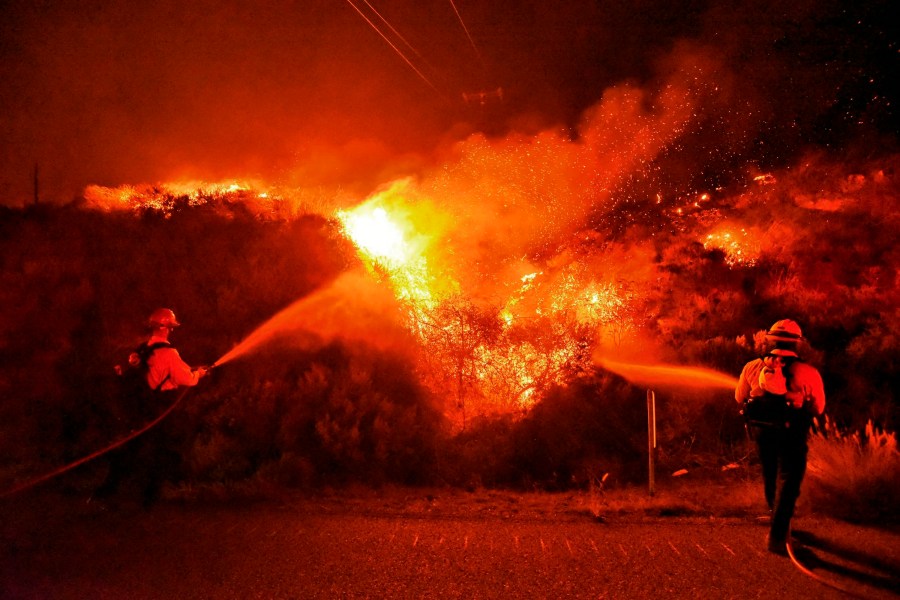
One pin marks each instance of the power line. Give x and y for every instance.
(391, 44)
(401, 38)
(466, 29)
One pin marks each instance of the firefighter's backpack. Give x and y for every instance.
(138, 401)
(772, 377)
(772, 409)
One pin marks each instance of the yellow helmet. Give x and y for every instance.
(163, 317)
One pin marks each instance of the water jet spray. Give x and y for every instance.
(353, 307)
(664, 375)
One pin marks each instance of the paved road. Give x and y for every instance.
(56, 547)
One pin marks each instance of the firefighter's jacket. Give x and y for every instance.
(801, 378)
(165, 366)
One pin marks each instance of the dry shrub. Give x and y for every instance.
(479, 456)
(855, 477)
(328, 416)
(596, 423)
(594, 426)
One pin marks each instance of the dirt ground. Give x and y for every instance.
(412, 543)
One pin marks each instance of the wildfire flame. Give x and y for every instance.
(739, 245)
(499, 354)
(384, 230)
(160, 197)
(493, 339)
(256, 198)
(376, 235)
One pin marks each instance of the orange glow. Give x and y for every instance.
(740, 247)
(162, 197)
(385, 230)
(500, 354)
(490, 349)
(498, 257)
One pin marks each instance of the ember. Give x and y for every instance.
(740, 247)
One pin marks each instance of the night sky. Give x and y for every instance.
(308, 93)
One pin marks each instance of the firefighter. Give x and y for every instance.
(167, 371)
(780, 395)
(156, 455)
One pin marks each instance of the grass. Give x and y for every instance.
(855, 476)
(732, 493)
(852, 477)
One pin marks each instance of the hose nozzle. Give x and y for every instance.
(208, 369)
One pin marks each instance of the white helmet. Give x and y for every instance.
(785, 330)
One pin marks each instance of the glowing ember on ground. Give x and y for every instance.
(163, 197)
(739, 246)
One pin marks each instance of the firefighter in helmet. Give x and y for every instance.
(780, 394)
(167, 371)
(155, 455)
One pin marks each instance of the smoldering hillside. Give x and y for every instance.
(343, 394)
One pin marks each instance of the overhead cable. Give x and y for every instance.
(466, 29)
(397, 50)
(399, 36)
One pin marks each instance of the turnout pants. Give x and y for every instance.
(151, 458)
(782, 453)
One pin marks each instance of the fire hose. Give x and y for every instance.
(806, 571)
(120, 442)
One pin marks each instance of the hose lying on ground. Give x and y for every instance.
(822, 580)
(47, 476)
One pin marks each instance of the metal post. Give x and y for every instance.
(37, 196)
(651, 440)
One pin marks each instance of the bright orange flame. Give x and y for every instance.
(739, 246)
(387, 239)
(161, 197)
(498, 358)
(377, 235)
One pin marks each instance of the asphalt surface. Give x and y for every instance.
(56, 546)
